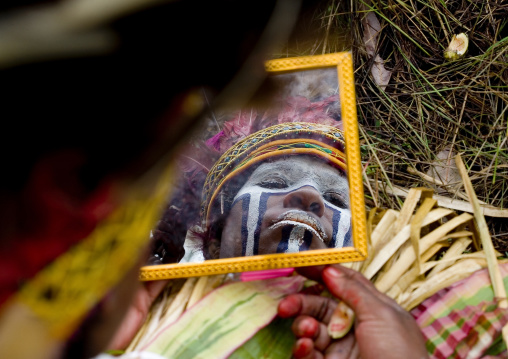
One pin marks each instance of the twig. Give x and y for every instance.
(488, 247)
(488, 210)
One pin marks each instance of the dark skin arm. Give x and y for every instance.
(382, 328)
(120, 315)
(144, 296)
(116, 320)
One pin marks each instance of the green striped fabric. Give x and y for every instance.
(223, 320)
(275, 341)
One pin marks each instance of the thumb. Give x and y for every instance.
(352, 288)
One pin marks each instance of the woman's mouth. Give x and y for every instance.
(300, 219)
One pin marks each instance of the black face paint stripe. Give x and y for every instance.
(307, 241)
(245, 211)
(283, 244)
(262, 210)
(348, 238)
(335, 225)
(263, 200)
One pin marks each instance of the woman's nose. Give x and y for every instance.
(306, 199)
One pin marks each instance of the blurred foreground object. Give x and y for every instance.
(96, 96)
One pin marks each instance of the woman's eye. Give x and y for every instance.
(336, 199)
(273, 183)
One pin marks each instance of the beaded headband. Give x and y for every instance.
(293, 138)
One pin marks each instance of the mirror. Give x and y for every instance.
(272, 185)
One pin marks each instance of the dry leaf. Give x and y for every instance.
(380, 74)
(444, 170)
(371, 28)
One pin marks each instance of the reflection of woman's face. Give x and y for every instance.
(288, 206)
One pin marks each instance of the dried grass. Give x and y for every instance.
(411, 272)
(431, 109)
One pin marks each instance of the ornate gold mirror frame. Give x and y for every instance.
(343, 63)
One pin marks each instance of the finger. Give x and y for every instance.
(370, 286)
(342, 349)
(304, 349)
(316, 273)
(356, 275)
(154, 288)
(313, 272)
(308, 327)
(348, 286)
(315, 306)
(305, 327)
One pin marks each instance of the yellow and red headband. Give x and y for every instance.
(293, 138)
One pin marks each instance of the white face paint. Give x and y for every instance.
(289, 205)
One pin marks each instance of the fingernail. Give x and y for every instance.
(333, 272)
(288, 307)
(303, 347)
(308, 327)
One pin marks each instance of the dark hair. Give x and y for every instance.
(183, 212)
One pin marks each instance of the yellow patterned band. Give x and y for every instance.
(293, 138)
